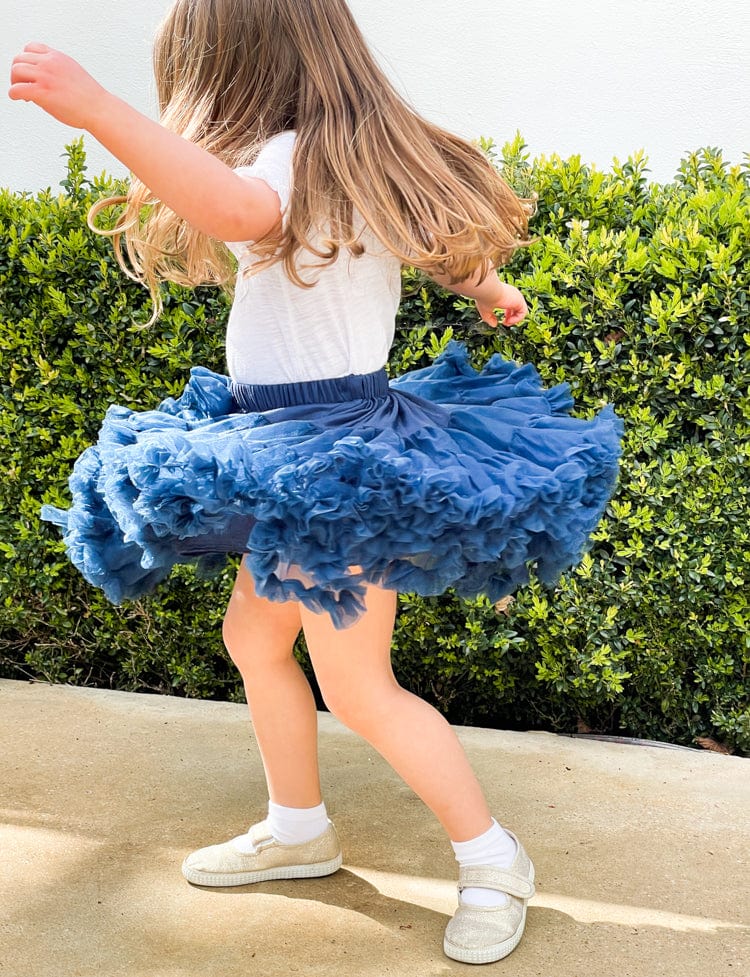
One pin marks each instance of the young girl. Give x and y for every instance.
(279, 133)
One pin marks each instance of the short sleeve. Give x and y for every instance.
(273, 165)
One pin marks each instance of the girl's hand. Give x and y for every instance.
(507, 298)
(57, 84)
(490, 294)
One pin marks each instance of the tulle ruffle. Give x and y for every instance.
(452, 478)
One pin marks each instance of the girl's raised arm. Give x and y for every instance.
(194, 184)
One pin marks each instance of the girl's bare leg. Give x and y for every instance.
(260, 635)
(353, 668)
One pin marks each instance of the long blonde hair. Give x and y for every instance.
(230, 74)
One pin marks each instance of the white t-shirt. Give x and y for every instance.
(281, 333)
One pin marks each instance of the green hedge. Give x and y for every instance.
(638, 296)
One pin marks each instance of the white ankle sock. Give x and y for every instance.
(494, 847)
(289, 826)
(296, 825)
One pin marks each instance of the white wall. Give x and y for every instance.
(597, 77)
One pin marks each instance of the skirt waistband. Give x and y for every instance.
(258, 397)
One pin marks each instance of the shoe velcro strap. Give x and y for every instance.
(260, 833)
(488, 877)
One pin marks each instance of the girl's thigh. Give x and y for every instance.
(353, 664)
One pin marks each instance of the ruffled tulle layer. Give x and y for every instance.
(449, 477)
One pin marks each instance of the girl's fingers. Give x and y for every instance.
(23, 65)
(22, 72)
(28, 58)
(21, 92)
(512, 317)
(516, 315)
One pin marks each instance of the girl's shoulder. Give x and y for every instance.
(273, 164)
(285, 138)
(279, 146)
(277, 149)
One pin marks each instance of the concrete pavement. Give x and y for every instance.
(642, 853)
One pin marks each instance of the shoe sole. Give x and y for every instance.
(492, 953)
(312, 871)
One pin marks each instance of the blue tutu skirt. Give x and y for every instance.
(443, 478)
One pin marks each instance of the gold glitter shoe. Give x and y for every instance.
(227, 865)
(479, 934)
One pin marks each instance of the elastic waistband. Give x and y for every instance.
(258, 397)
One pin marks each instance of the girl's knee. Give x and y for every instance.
(358, 708)
(234, 640)
(254, 639)
(255, 630)
(237, 643)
